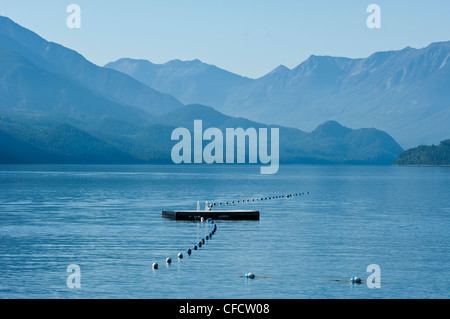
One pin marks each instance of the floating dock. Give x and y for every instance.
(213, 214)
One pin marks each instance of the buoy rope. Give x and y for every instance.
(351, 280)
(196, 246)
(252, 200)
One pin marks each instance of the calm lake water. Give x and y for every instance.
(107, 220)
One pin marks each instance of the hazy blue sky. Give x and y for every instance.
(248, 37)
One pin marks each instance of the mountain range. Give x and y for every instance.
(44, 139)
(58, 107)
(189, 81)
(71, 66)
(405, 93)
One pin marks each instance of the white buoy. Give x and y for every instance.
(180, 255)
(355, 280)
(168, 260)
(249, 275)
(155, 266)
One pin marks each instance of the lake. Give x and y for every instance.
(107, 220)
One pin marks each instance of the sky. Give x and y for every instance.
(247, 37)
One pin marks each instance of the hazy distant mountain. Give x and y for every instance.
(330, 142)
(189, 81)
(36, 140)
(62, 61)
(405, 93)
(26, 88)
(57, 107)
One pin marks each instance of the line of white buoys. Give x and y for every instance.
(197, 246)
(239, 201)
(353, 280)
